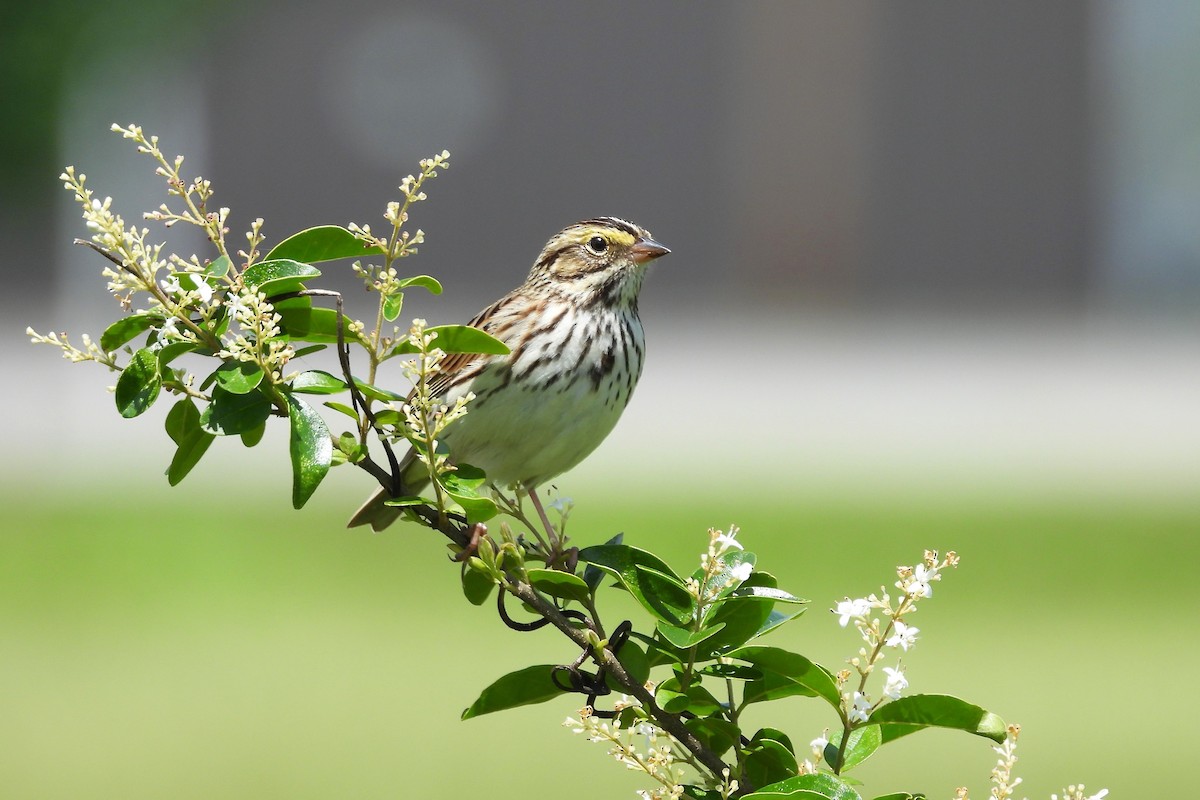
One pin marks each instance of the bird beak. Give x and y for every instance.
(647, 250)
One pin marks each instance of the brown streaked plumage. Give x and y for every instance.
(577, 348)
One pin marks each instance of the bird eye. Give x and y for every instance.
(597, 244)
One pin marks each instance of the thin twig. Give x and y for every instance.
(389, 480)
(671, 723)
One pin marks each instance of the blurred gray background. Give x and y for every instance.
(927, 237)
(935, 282)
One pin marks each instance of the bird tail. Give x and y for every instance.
(375, 512)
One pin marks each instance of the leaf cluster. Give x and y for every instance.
(688, 670)
(706, 663)
(223, 334)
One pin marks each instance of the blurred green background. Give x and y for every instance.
(935, 283)
(226, 651)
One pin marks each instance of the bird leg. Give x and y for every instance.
(478, 531)
(555, 543)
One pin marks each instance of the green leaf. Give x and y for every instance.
(592, 575)
(916, 712)
(521, 688)
(456, 339)
(424, 281)
(777, 618)
(139, 384)
(218, 267)
(901, 796)
(477, 586)
(862, 743)
(343, 409)
(174, 350)
(350, 447)
(405, 502)
(392, 305)
(191, 448)
(311, 449)
(634, 659)
(376, 393)
(125, 329)
(183, 426)
(230, 414)
(658, 651)
(238, 377)
(764, 593)
(279, 276)
(742, 619)
(773, 686)
(697, 700)
(716, 734)
(820, 786)
(182, 419)
(670, 700)
(809, 678)
(636, 663)
(684, 638)
(322, 243)
(736, 672)
(767, 761)
(310, 324)
(647, 577)
(461, 485)
(254, 435)
(556, 583)
(316, 381)
(775, 734)
(301, 352)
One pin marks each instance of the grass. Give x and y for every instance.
(236, 650)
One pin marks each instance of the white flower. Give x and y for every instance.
(819, 742)
(237, 306)
(895, 684)
(918, 583)
(1074, 792)
(862, 705)
(203, 290)
(904, 636)
(562, 505)
(169, 329)
(848, 609)
(727, 541)
(171, 285)
(742, 571)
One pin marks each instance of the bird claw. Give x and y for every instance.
(478, 531)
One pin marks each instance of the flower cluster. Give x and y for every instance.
(89, 352)
(424, 417)
(563, 506)
(259, 340)
(882, 625)
(1076, 792)
(1004, 783)
(195, 193)
(716, 575)
(184, 297)
(399, 243)
(642, 746)
(135, 261)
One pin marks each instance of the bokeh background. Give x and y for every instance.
(935, 283)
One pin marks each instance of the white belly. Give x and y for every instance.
(530, 422)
